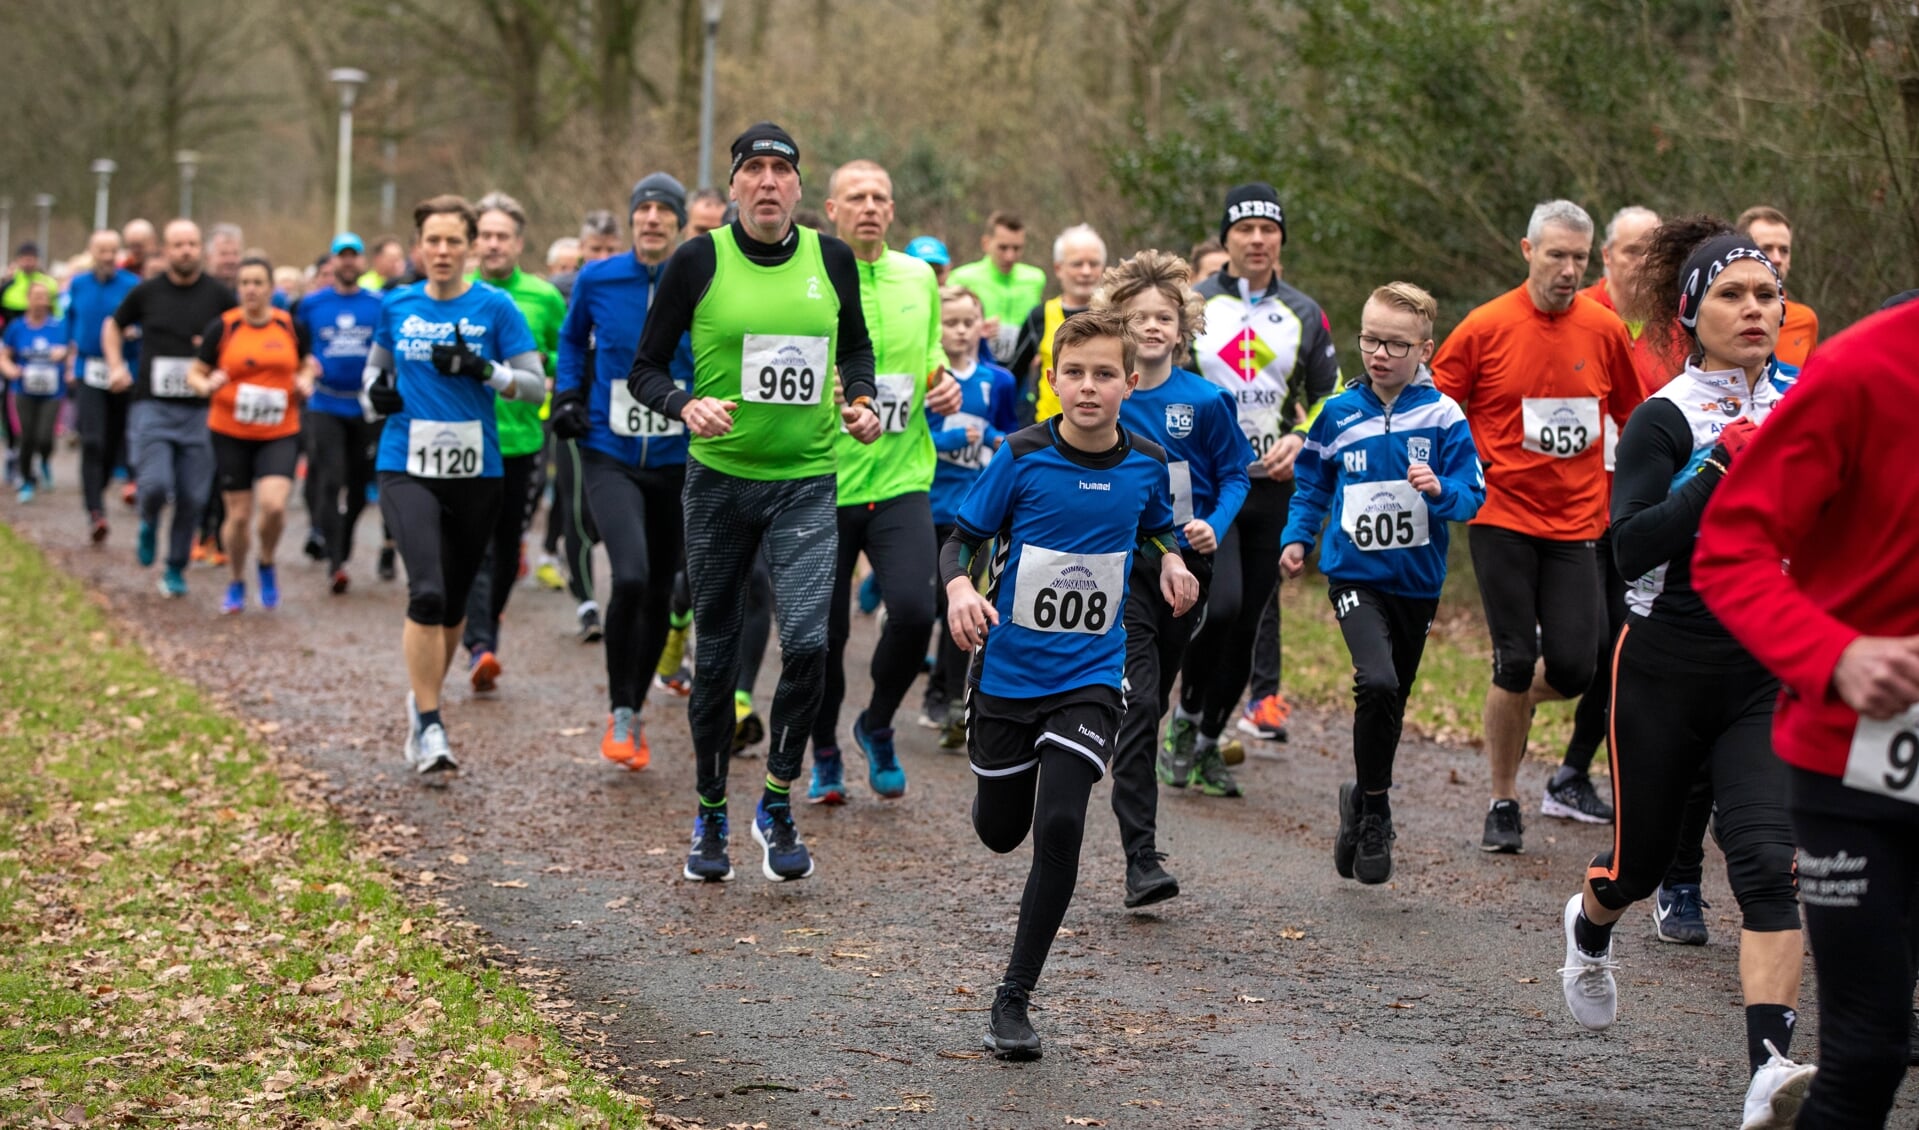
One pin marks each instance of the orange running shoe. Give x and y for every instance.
(624, 743)
(1266, 718)
(484, 670)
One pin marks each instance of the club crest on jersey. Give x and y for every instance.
(1419, 449)
(1179, 420)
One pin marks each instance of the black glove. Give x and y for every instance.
(384, 395)
(570, 419)
(457, 360)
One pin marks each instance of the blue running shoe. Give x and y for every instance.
(173, 583)
(26, 492)
(829, 778)
(1678, 914)
(235, 602)
(783, 855)
(269, 588)
(883, 771)
(869, 595)
(707, 862)
(147, 548)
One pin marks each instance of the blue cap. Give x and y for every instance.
(930, 250)
(347, 241)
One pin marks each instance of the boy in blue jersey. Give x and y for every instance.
(340, 321)
(1070, 500)
(1197, 423)
(965, 442)
(1392, 461)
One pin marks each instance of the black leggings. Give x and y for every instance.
(520, 485)
(1048, 799)
(340, 465)
(637, 511)
(1245, 573)
(1386, 636)
(102, 420)
(1155, 644)
(1539, 595)
(577, 531)
(756, 624)
(441, 527)
(897, 536)
(949, 662)
(38, 414)
(1683, 702)
(1859, 879)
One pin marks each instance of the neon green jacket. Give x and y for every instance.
(521, 432)
(900, 298)
(1006, 297)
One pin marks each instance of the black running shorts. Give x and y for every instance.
(1004, 735)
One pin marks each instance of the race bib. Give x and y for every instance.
(259, 406)
(1069, 592)
(1180, 477)
(441, 449)
(1885, 757)
(895, 400)
(1612, 441)
(626, 416)
(973, 455)
(1005, 343)
(1561, 427)
(1380, 516)
(1262, 430)
(168, 377)
(40, 378)
(783, 369)
(95, 373)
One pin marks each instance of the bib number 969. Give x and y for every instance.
(787, 385)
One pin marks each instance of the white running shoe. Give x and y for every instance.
(1777, 1092)
(1591, 992)
(412, 731)
(435, 756)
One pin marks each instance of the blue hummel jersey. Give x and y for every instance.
(411, 324)
(1207, 454)
(603, 321)
(1385, 534)
(340, 327)
(1067, 524)
(988, 396)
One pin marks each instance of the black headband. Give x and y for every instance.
(1705, 264)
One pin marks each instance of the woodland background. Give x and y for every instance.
(1408, 138)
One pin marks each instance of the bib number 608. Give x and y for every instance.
(1070, 609)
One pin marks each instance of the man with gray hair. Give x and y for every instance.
(1540, 371)
(226, 246)
(1079, 259)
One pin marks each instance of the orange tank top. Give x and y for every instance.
(258, 401)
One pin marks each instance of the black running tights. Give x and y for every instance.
(1049, 799)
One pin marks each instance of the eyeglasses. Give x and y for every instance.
(1369, 345)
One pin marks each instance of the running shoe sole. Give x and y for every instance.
(1013, 1054)
(1157, 893)
(1784, 1107)
(485, 675)
(1560, 811)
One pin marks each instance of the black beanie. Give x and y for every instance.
(1255, 201)
(661, 187)
(764, 140)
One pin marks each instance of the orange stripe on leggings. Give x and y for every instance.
(1612, 756)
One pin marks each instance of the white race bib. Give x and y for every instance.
(443, 449)
(168, 377)
(1005, 343)
(1380, 516)
(259, 406)
(1885, 757)
(1180, 476)
(1069, 592)
(783, 369)
(40, 378)
(95, 373)
(895, 400)
(1612, 441)
(973, 455)
(1562, 426)
(1262, 430)
(626, 416)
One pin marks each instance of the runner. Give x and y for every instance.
(1044, 711)
(444, 350)
(1196, 423)
(226, 246)
(1686, 695)
(33, 355)
(92, 298)
(1391, 460)
(339, 322)
(522, 436)
(1841, 630)
(1079, 258)
(1007, 288)
(1770, 229)
(142, 244)
(966, 441)
(883, 510)
(1271, 347)
(705, 210)
(760, 466)
(24, 273)
(167, 422)
(632, 462)
(599, 239)
(1538, 371)
(932, 252)
(387, 265)
(1209, 257)
(251, 363)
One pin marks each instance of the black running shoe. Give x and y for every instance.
(590, 630)
(1575, 799)
(1346, 843)
(708, 862)
(387, 569)
(1504, 828)
(1009, 1035)
(315, 547)
(1146, 881)
(1373, 863)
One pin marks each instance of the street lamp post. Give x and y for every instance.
(189, 162)
(711, 10)
(103, 170)
(349, 80)
(389, 156)
(44, 202)
(6, 226)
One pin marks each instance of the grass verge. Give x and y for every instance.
(186, 942)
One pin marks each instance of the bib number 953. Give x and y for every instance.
(1885, 757)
